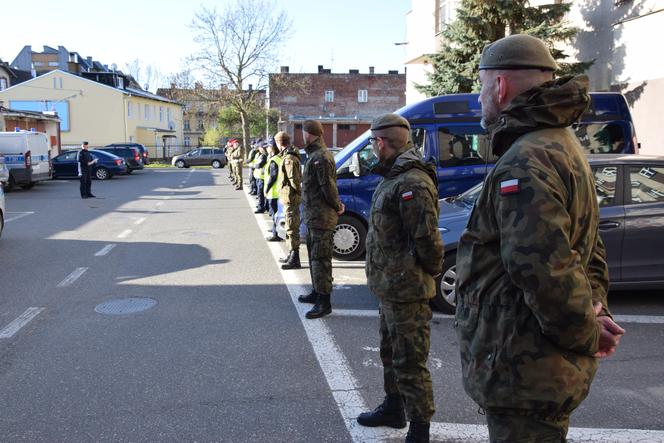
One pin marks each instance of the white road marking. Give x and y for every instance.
(345, 388)
(644, 319)
(158, 204)
(125, 233)
(22, 320)
(140, 221)
(105, 250)
(17, 216)
(71, 278)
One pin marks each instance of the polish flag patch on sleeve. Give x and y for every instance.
(406, 196)
(508, 187)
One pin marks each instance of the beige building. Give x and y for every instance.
(102, 110)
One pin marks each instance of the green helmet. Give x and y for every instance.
(518, 51)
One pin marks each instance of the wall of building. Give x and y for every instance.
(49, 127)
(421, 39)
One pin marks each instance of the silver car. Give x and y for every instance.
(204, 156)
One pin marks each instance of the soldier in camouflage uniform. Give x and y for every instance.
(404, 253)
(236, 161)
(321, 210)
(532, 314)
(290, 194)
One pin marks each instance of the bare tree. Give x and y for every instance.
(237, 49)
(147, 76)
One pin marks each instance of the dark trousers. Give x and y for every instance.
(319, 248)
(262, 203)
(86, 183)
(252, 183)
(515, 426)
(273, 205)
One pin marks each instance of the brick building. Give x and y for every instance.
(344, 103)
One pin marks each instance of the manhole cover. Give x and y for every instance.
(125, 305)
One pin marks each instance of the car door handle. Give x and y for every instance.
(606, 225)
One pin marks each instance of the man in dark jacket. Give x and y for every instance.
(85, 160)
(532, 315)
(259, 174)
(322, 208)
(404, 254)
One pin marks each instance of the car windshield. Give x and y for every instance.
(467, 199)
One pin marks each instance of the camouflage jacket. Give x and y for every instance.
(236, 155)
(530, 262)
(404, 247)
(291, 177)
(319, 188)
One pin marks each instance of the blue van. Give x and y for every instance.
(447, 132)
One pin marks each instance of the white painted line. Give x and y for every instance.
(19, 215)
(71, 278)
(374, 313)
(140, 221)
(645, 319)
(158, 204)
(105, 250)
(22, 320)
(125, 233)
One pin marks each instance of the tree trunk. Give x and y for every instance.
(245, 132)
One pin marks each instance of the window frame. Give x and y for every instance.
(628, 181)
(362, 95)
(329, 96)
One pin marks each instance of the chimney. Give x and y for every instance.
(33, 71)
(251, 87)
(172, 85)
(284, 69)
(354, 71)
(393, 72)
(197, 85)
(371, 70)
(320, 69)
(327, 71)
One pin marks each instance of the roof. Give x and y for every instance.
(31, 114)
(625, 158)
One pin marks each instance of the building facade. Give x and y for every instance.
(48, 123)
(345, 103)
(51, 59)
(102, 111)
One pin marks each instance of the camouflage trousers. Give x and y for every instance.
(404, 350)
(292, 219)
(319, 248)
(516, 426)
(237, 173)
(231, 170)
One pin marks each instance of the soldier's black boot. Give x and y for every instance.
(294, 261)
(418, 432)
(286, 258)
(389, 413)
(311, 297)
(321, 308)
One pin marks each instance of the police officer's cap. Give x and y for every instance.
(518, 51)
(389, 121)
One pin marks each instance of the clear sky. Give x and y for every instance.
(339, 34)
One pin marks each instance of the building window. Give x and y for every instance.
(186, 125)
(120, 83)
(146, 112)
(187, 141)
(445, 13)
(168, 115)
(53, 64)
(161, 113)
(35, 64)
(130, 109)
(57, 82)
(362, 95)
(3, 83)
(329, 96)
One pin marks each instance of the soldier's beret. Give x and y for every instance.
(313, 127)
(518, 51)
(389, 121)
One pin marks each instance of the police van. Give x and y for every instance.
(447, 132)
(27, 157)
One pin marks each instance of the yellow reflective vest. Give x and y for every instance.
(273, 192)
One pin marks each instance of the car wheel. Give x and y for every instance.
(129, 170)
(350, 236)
(216, 164)
(180, 164)
(102, 174)
(28, 185)
(445, 298)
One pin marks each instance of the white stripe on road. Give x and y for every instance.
(25, 318)
(105, 250)
(140, 221)
(19, 215)
(158, 204)
(125, 233)
(71, 278)
(345, 388)
(645, 319)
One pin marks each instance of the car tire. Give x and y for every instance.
(180, 164)
(216, 164)
(129, 170)
(102, 174)
(350, 236)
(445, 298)
(28, 185)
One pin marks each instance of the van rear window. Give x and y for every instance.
(601, 138)
(459, 147)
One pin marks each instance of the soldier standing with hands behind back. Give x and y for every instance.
(532, 316)
(290, 194)
(322, 208)
(404, 253)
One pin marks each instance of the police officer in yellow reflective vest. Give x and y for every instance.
(272, 187)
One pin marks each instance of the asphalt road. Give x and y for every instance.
(224, 353)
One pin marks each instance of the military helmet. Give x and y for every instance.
(518, 51)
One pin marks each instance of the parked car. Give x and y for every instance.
(204, 156)
(141, 149)
(131, 156)
(4, 172)
(27, 157)
(2, 210)
(66, 165)
(630, 192)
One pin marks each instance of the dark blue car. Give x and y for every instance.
(66, 165)
(630, 192)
